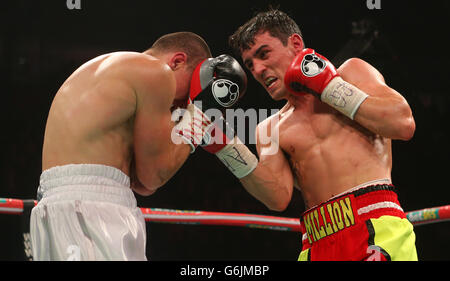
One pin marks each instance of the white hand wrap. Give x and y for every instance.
(343, 96)
(238, 158)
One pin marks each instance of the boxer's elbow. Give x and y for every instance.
(405, 124)
(394, 120)
(278, 206)
(151, 180)
(280, 201)
(143, 190)
(156, 180)
(149, 185)
(408, 129)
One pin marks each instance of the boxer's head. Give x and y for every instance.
(182, 51)
(267, 44)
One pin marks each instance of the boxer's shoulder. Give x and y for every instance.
(146, 74)
(274, 119)
(357, 71)
(132, 63)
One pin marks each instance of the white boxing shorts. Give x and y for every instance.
(86, 212)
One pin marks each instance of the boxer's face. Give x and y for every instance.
(268, 59)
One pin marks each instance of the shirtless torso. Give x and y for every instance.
(322, 152)
(334, 139)
(112, 109)
(327, 152)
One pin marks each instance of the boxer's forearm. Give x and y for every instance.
(179, 155)
(153, 172)
(387, 114)
(274, 191)
(385, 111)
(171, 161)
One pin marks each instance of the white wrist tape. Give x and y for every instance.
(238, 158)
(343, 96)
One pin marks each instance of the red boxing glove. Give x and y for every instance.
(309, 72)
(312, 73)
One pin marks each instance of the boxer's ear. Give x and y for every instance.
(296, 42)
(178, 59)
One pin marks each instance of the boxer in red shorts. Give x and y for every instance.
(334, 137)
(368, 220)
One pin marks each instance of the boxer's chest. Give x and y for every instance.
(301, 131)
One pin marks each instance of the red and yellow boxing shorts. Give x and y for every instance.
(367, 224)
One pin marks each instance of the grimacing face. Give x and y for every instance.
(268, 59)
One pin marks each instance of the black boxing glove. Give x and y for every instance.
(218, 82)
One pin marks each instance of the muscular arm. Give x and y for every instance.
(157, 157)
(385, 111)
(271, 182)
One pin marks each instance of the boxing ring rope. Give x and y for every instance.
(418, 217)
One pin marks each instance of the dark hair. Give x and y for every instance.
(190, 43)
(276, 22)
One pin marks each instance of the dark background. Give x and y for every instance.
(43, 42)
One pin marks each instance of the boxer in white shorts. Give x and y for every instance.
(109, 132)
(87, 212)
